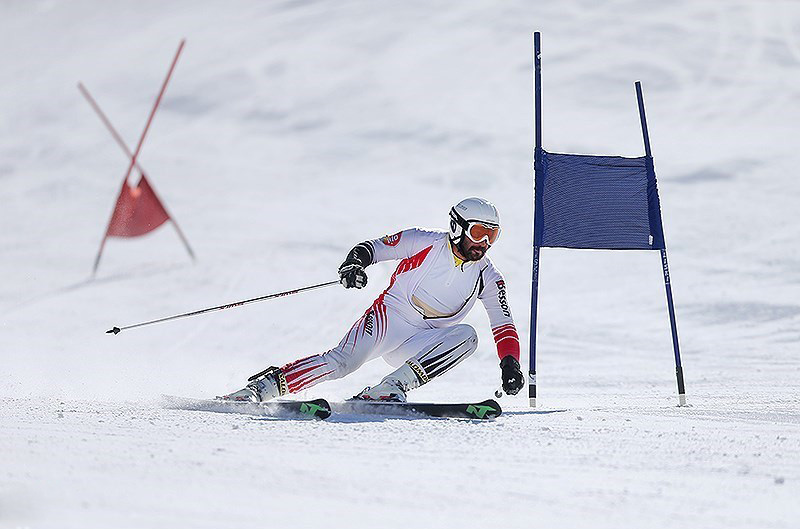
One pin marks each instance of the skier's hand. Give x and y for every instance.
(511, 375)
(352, 275)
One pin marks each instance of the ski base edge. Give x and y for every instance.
(281, 409)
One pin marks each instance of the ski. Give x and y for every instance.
(488, 409)
(279, 409)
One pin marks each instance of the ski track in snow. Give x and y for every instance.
(291, 131)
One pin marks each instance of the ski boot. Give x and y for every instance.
(261, 387)
(393, 387)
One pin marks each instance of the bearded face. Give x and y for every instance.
(472, 251)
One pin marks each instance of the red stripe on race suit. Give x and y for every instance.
(507, 341)
(295, 374)
(509, 333)
(293, 371)
(503, 328)
(298, 363)
(300, 385)
(406, 265)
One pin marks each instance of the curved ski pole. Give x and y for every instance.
(117, 330)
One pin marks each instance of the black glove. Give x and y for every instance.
(352, 275)
(511, 375)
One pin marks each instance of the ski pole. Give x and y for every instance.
(117, 330)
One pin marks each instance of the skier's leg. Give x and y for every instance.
(378, 331)
(424, 356)
(371, 336)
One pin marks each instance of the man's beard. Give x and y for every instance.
(475, 253)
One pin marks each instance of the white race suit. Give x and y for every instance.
(416, 319)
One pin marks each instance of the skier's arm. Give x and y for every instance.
(391, 247)
(505, 333)
(500, 319)
(401, 245)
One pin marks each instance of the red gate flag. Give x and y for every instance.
(138, 211)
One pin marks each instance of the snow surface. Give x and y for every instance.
(293, 130)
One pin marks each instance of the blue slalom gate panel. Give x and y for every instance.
(599, 202)
(595, 202)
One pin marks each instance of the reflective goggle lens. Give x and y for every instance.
(477, 232)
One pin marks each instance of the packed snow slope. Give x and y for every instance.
(295, 129)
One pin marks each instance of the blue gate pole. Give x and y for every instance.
(537, 167)
(664, 264)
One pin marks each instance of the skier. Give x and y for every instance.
(414, 324)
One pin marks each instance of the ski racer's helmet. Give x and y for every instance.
(476, 218)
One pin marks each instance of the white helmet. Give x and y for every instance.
(475, 217)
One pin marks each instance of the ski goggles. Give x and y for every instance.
(478, 232)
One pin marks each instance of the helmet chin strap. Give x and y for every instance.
(456, 246)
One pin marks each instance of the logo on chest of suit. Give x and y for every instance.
(501, 298)
(392, 240)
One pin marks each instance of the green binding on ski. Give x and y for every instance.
(480, 411)
(315, 410)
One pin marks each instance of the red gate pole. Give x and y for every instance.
(107, 122)
(124, 147)
(139, 148)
